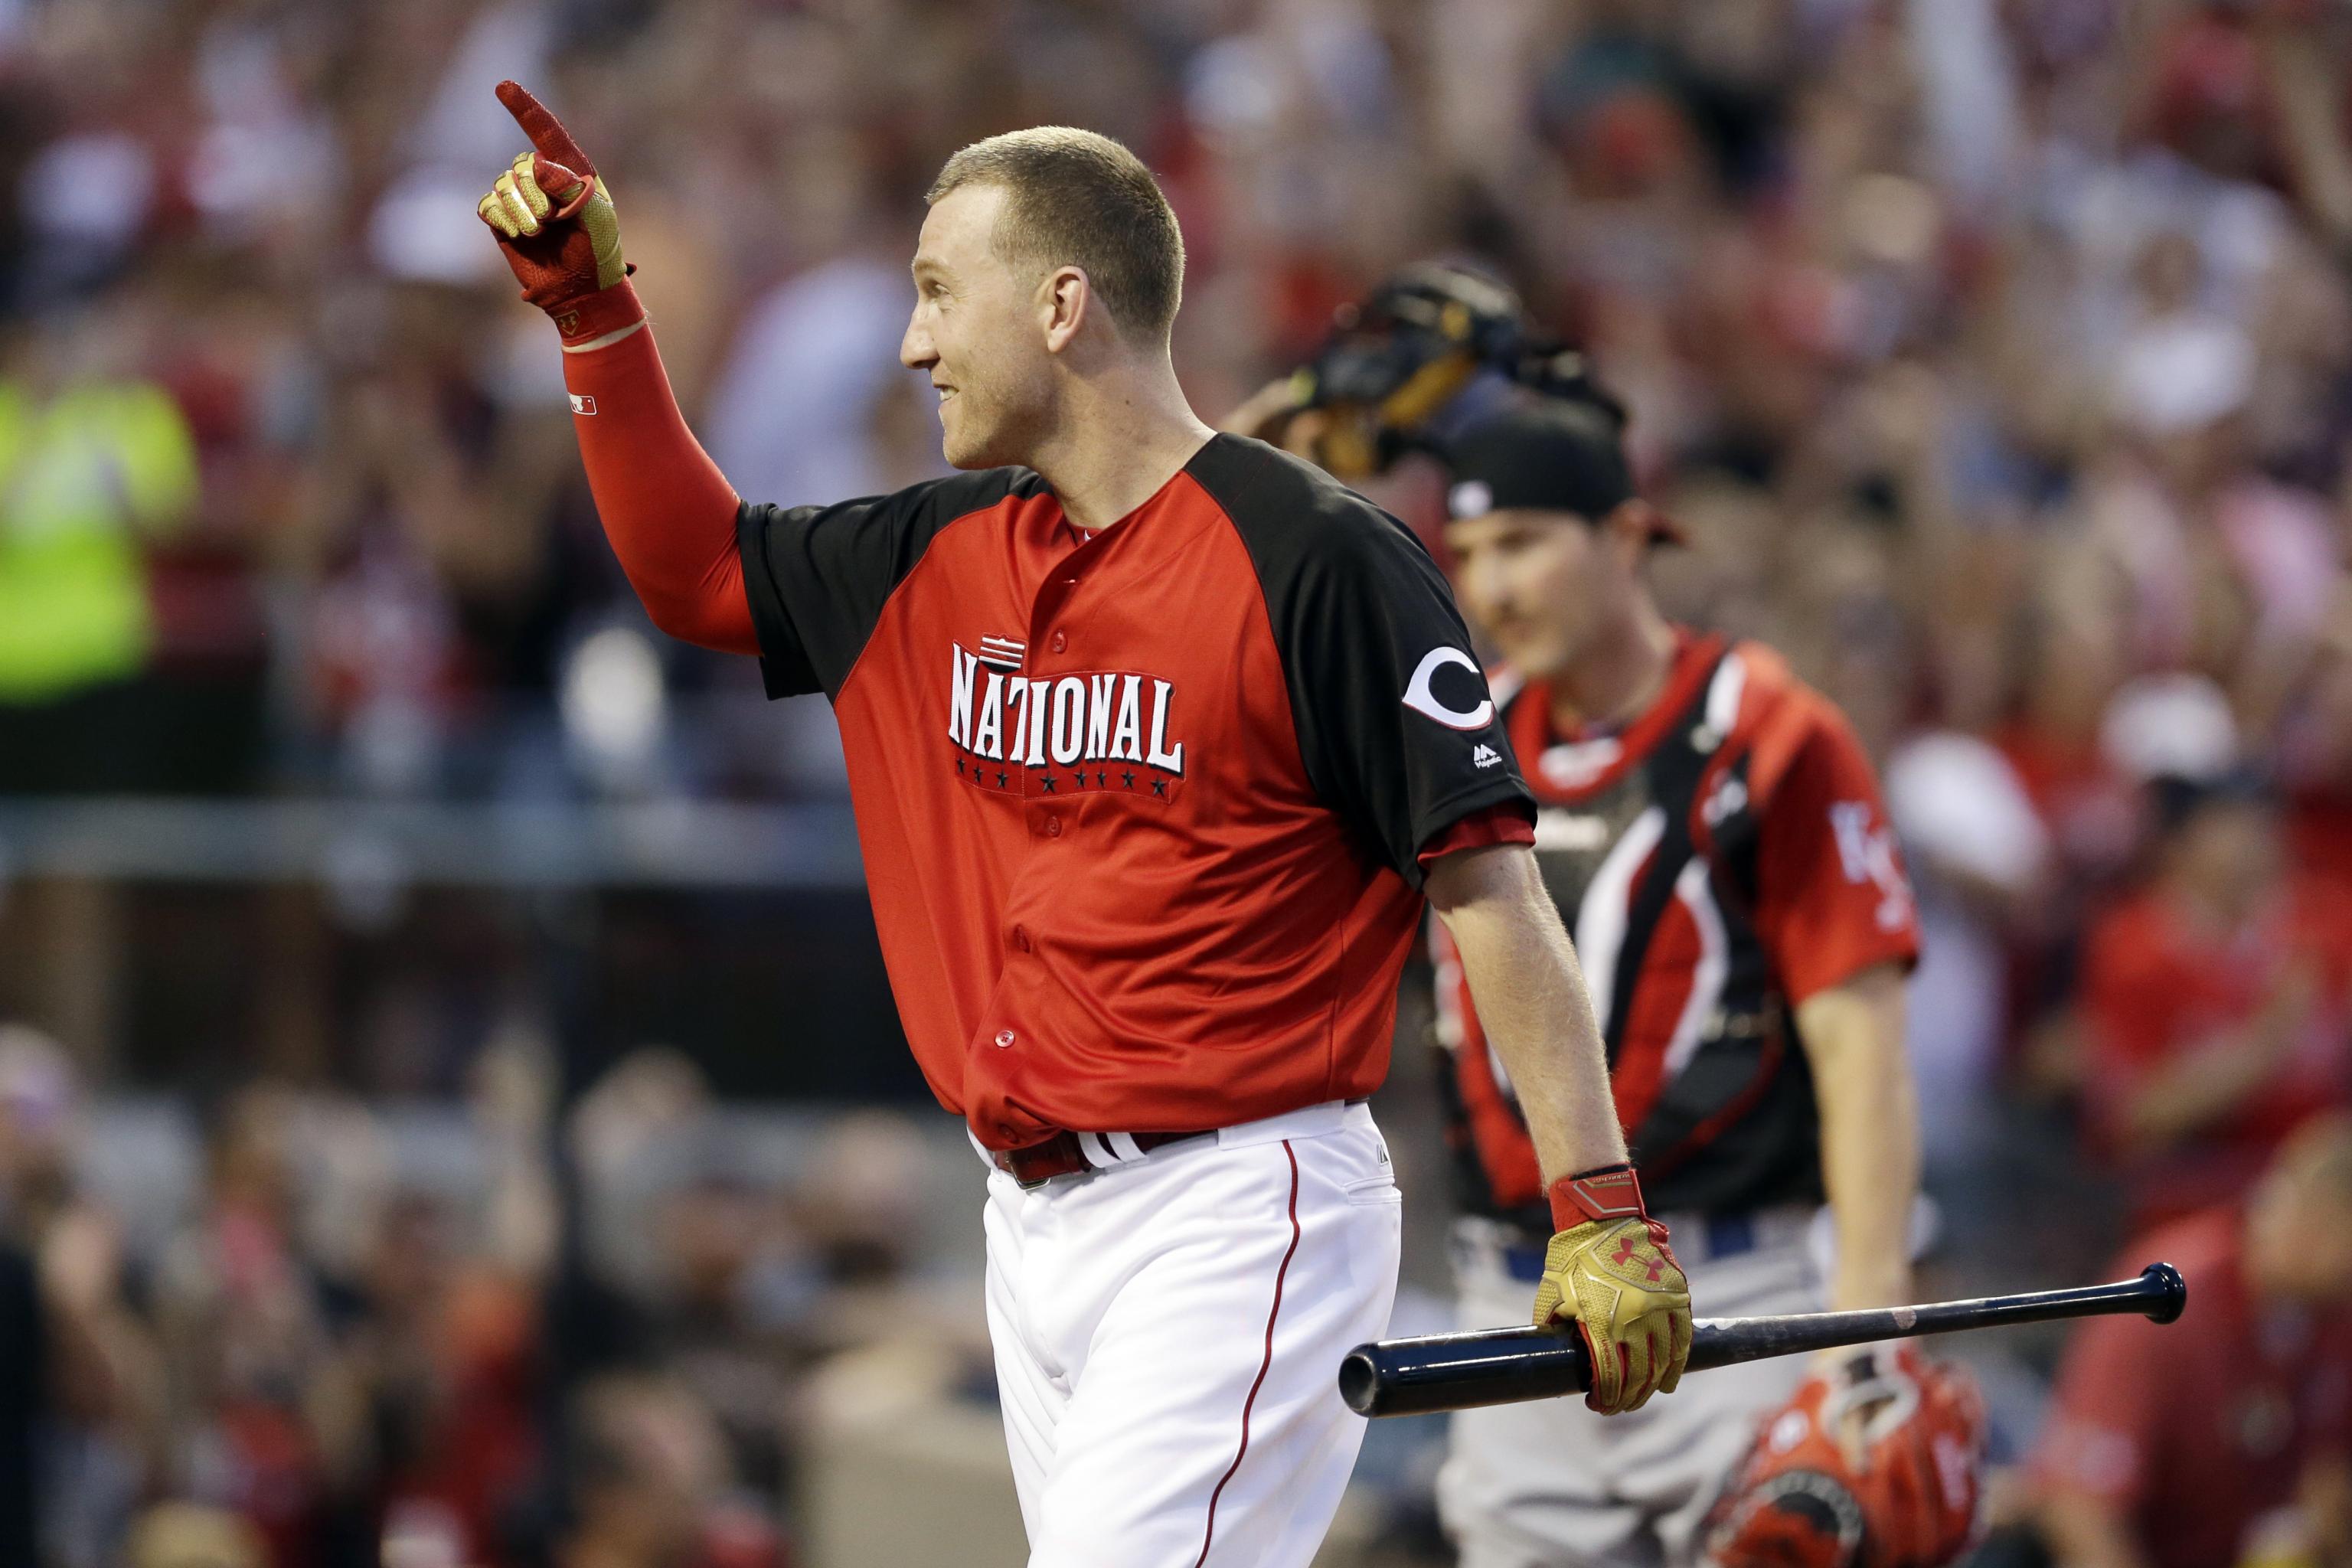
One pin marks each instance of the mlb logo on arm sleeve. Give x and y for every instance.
(582, 404)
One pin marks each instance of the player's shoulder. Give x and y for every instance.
(926, 506)
(1769, 691)
(969, 490)
(1785, 727)
(1293, 517)
(1771, 705)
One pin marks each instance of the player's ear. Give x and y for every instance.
(1629, 528)
(1065, 300)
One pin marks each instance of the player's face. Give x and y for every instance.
(977, 333)
(1539, 584)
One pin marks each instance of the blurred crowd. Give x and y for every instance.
(588, 1336)
(1995, 354)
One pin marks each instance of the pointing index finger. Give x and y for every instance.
(548, 137)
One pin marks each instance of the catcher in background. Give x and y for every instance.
(1713, 835)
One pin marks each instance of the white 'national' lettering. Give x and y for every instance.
(989, 739)
(1069, 718)
(1099, 716)
(1161, 756)
(1127, 739)
(1093, 717)
(1016, 713)
(1036, 757)
(967, 669)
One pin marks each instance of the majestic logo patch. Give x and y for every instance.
(1419, 697)
(1485, 756)
(1087, 732)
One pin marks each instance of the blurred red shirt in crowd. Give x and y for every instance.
(2218, 1003)
(2177, 1444)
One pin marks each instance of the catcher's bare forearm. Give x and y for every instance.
(1853, 1035)
(1532, 1003)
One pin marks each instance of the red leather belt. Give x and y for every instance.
(1063, 1154)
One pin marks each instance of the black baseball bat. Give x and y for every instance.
(1500, 1366)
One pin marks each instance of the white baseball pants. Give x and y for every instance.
(1168, 1335)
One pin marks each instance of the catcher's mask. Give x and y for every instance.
(1432, 347)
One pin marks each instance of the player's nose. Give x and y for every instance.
(915, 351)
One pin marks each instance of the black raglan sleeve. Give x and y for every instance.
(1396, 726)
(817, 576)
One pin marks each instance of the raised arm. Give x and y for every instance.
(668, 511)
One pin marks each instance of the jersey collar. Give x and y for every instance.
(1607, 750)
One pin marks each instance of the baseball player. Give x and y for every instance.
(1156, 740)
(1712, 834)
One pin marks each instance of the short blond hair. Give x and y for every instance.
(1074, 198)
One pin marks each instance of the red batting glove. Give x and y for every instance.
(555, 222)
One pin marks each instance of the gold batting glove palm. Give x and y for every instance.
(1611, 1271)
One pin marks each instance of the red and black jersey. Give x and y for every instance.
(1717, 861)
(1141, 812)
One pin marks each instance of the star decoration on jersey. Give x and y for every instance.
(1022, 780)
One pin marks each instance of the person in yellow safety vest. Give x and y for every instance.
(89, 467)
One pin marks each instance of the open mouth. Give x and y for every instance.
(945, 392)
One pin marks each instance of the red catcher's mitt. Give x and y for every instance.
(1873, 1465)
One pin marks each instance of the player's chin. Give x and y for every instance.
(966, 447)
(956, 443)
(1537, 658)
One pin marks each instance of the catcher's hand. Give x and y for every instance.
(556, 224)
(1875, 1461)
(1611, 1271)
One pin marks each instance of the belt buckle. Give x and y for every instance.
(1005, 1162)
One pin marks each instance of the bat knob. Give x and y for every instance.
(2168, 1292)
(1360, 1383)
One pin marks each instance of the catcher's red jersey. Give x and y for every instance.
(1717, 862)
(1141, 812)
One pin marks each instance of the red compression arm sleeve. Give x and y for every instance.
(668, 510)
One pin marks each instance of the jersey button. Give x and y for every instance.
(1053, 828)
(1060, 643)
(1020, 940)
